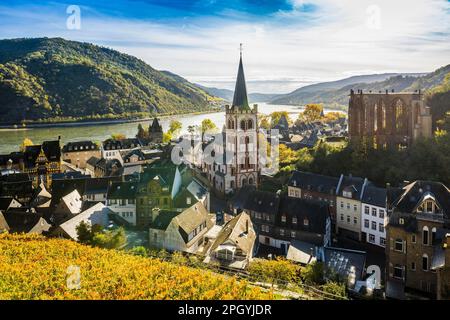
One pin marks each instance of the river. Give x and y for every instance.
(10, 139)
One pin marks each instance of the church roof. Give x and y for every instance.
(155, 127)
(240, 99)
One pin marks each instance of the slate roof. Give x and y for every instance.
(262, 201)
(122, 190)
(16, 185)
(15, 157)
(414, 192)
(163, 220)
(235, 231)
(80, 146)
(314, 182)
(98, 185)
(345, 262)
(315, 212)
(155, 126)
(353, 184)
(95, 215)
(62, 187)
(375, 196)
(164, 170)
(93, 161)
(52, 151)
(24, 220)
(240, 99)
(128, 143)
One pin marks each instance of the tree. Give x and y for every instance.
(276, 272)
(264, 122)
(276, 116)
(118, 136)
(175, 126)
(313, 273)
(26, 142)
(207, 126)
(335, 288)
(113, 239)
(167, 137)
(141, 132)
(312, 112)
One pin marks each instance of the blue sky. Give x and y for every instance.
(287, 43)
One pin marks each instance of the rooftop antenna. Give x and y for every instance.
(240, 49)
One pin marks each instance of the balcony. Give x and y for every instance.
(436, 217)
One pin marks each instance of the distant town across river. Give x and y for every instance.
(12, 138)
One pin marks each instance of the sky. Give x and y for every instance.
(286, 43)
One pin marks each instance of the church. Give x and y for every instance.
(240, 143)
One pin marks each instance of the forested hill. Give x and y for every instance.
(51, 78)
(335, 94)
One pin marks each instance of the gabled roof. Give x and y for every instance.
(98, 185)
(412, 194)
(375, 196)
(122, 190)
(93, 161)
(27, 221)
(314, 182)
(15, 157)
(155, 126)
(240, 99)
(8, 202)
(95, 215)
(238, 232)
(80, 146)
(353, 184)
(52, 151)
(73, 202)
(128, 143)
(262, 201)
(316, 213)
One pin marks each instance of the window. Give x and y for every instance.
(366, 223)
(425, 236)
(425, 262)
(342, 204)
(433, 235)
(381, 214)
(366, 209)
(399, 245)
(348, 206)
(413, 266)
(371, 238)
(429, 206)
(348, 219)
(383, 241)
(374, 225)
(294, 220)
(355, 220)
(398, 271)
(292, 234)
(342, 217)
(281, 232)
(283, 218)
(306, 222)
(374, 212)
(413, 238)
(381, 227)
(347, 194)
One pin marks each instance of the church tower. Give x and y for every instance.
(242, 136)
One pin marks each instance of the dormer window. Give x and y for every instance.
(283, 218)
(347, 194)
(305, 222)
(294, 220)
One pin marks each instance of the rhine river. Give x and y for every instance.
(10, 139)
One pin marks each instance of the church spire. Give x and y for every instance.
(240, 99)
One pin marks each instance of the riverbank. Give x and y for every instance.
(89, 122)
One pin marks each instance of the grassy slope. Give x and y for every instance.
(34, 267)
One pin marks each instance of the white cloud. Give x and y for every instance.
(335, 40)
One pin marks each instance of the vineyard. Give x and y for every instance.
(34, 267)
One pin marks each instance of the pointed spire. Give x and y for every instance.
(240, 99)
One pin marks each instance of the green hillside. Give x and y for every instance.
(49, 78)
